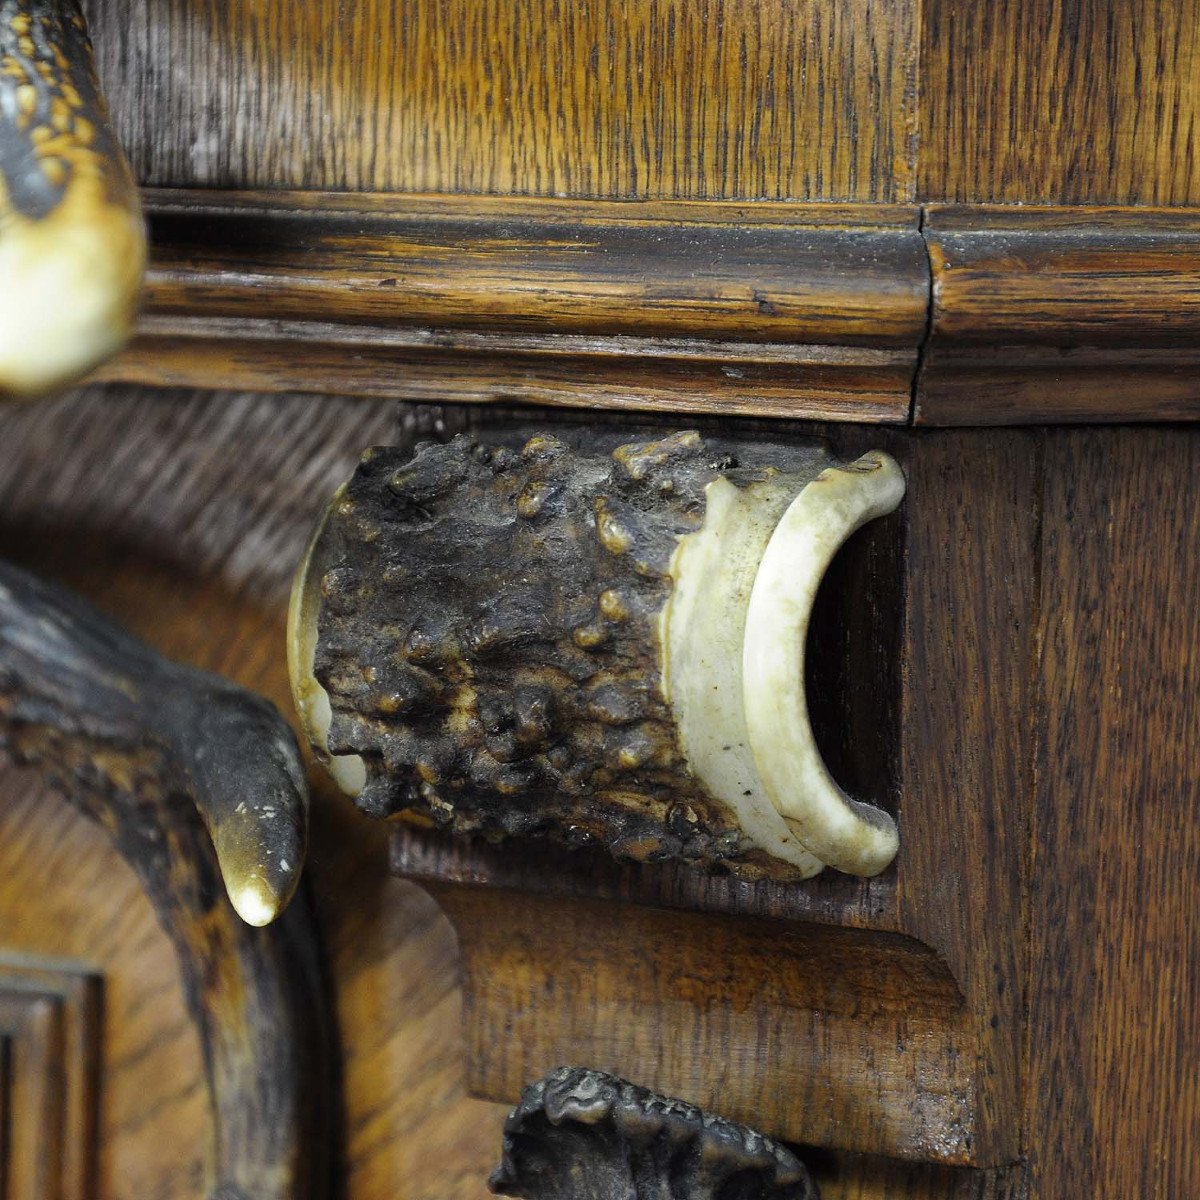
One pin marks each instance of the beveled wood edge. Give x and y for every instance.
(886, 314)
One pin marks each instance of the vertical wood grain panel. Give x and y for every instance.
(967, 735)
(1060, 102)
(1114, 1023)
(775, 99)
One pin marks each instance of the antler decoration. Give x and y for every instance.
(105, 714)
(72, 241)
(173, 762)
(586, 1135)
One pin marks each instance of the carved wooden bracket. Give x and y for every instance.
(72, 242)
(596, 641)
(585, 1135)
(194, 779)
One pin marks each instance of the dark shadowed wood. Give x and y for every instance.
(620, 98)
(1114, 1026)
(967, 737)
(1062, 314)
(1060, 101)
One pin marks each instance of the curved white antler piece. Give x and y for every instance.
(844, 833)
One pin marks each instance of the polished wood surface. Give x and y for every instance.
(631, 99)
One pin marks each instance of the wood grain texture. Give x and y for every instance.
(1055, 102)
(181, 514)
(966, 738)
(625, 375)
(1061, 314)
(826, 1037)
(1114, 1027)
(620, 98)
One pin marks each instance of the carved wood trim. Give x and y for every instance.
(49, 1075)
(1055, 315)
(791, 310)
(768, 309)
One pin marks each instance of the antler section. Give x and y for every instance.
(97, 709)
(586, 1135)
(72, 241)
(172, 761)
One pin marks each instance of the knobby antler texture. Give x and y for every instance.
(72, 241)
(489, 638)
(586, 1135)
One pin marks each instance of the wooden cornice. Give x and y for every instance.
(879, 313)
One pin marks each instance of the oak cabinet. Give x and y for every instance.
(965, 236)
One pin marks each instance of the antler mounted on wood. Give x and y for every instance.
(585, 1135)
(596, 641)
(72, 242)
(195, 780)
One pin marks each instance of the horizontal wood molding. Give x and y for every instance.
(954, 315)
(1062, 315)
(790, 310)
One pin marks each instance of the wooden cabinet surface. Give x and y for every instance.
(966, 235)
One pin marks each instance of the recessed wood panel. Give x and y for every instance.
(1060, 101)
(803, 99)
(50, 1014)
(65, 892)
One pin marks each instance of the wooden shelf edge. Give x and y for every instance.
(948, 315)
